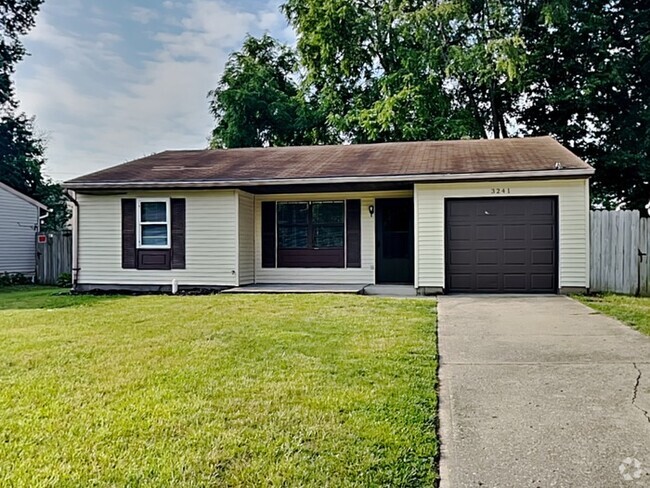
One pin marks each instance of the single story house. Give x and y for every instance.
(498, 216)
(20, 220)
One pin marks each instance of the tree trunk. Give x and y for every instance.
(502, 123)
(495, 109)
(475, 109)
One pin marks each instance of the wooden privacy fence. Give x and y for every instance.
(620, 242)
(53, 257)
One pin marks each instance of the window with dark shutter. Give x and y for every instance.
(311, 234)
(153, 233)
(129, 250)
(178, 233)
(353, 233)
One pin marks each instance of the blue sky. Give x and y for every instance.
(113, 81)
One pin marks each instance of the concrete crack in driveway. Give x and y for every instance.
(636, 392)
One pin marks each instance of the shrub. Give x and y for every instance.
(11, 279)
(64, 280)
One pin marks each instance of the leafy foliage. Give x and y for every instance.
(21, 150)
(376, 69)
(13, 279)
(396, 70)
(588, 86)
(64, 280)
(16, 19)
(258, 102)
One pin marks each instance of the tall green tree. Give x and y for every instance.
(16, 19)
(21, 150)
(377, 70)
(386, 70)
(258, 101)
(589, 86)
(483, 57)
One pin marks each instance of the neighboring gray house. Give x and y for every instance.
(19, 222)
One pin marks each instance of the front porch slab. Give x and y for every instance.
(301, 288)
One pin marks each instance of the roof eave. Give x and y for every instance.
(420, 178)
(24, 197)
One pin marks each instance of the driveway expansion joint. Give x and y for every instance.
(636, 392)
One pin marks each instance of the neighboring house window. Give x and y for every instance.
(153, 223)
(311, 225)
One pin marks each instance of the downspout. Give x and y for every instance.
(75, 238)
(37, 228)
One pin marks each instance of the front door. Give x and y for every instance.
(394, 231)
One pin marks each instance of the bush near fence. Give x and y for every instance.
(620, 243)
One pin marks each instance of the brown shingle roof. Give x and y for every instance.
(358, 162)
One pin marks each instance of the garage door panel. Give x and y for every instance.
(461, 257)
(487, 232)
(488, 281)
(513, 211)
(486, 256)
(542, 256)
(515, 232)
(462, 282)
(542, 207)
(463, 209)
(490, 208)
(515, 282)
(514, 256)
(460, 232)
(501, 245)
(539, 232)
(542, 282)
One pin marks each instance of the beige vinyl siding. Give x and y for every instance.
(246, 232)
(573, 197)
(18, 224)
(363, 275)
(211, 240)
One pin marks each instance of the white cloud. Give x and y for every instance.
(100, 108)
(143, 15)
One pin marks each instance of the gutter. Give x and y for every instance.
(422, 178)
(75, 238)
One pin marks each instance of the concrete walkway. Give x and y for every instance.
(541, 392)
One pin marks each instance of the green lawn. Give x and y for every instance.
(256, 390)
(634, 311)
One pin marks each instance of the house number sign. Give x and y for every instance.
(500, 191)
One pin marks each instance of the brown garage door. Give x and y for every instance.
(501, 245)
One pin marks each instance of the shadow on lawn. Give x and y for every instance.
(37, 297)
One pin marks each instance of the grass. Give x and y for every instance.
(256, 390)
(634, 311)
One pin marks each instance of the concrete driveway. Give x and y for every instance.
(542, 392)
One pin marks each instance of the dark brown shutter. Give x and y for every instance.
(154, 259)
(268, 234)
(353, 232)
(178, 233)
(129, 259)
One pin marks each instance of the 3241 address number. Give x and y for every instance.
(500, 191)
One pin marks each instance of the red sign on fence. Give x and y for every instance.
(42, 238)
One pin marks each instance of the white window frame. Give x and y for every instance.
(167, 203)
